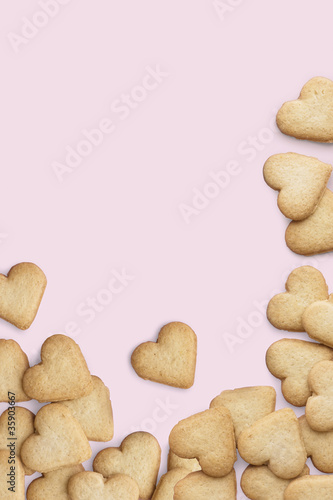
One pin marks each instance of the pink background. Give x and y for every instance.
(121, 207)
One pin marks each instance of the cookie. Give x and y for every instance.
(171, 360)
(318, 445)
(97, 425)
(165, 488)
(259, 483)
(310, 117)
(319, 407)
(11, 478)
(62, 374)
(318, 321)
(291, 360)
(313, 235)
(310, 488)
(276, 441)
(209, 437)
(21, 292)
(246, 405)
(13, 365)
(304, 286)
(301, 182)
(53, 485)
(139, 456)
(191, 464)
(93, 486)
(16, 425)
(199, 486)
(59, 441)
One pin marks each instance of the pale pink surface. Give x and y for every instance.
(120, 208)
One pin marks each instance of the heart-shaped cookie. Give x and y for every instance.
(93, 486)
(291, 360)
(310, 488)
(21, 292)
(11, 480)
(13, 364)
(199, 486)
(98, 426)
(311, 115)
(318, 321)
(53, 485)
(59, 440)
(166, 485)
(318, 445)
(315, 234)
(304, 286)
(171, 360)
(174, 462)
(301, 182)
(319, 407)
(62, 374)
(139, 456)
(208, 436)
(259, 483)
(276, 441)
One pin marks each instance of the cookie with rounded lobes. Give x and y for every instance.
(319, 407)
(246, 405)
(21, 292)
(13, 364)
(199, 486)
(301, 182)
(93, 486)
(16, 424)
(208, 436)
(309, 117)
(310, 488)
(139, 456)
(62, 374)
(304, 286)
(259, 483)
(53, 485)
(59, 440)
(11, 487)
(165, 488)
(171, 360)
(291, 360)
(318, 445)
(275, 441)
(191, 464)
(97, 425)
(315, 234)
(318, 321)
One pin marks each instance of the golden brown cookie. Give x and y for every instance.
(165, 488)
(319, 407)
(11, 478)
(318, 321)
(199, 486)
(191, 464)
(310, 488)
(53, 485)
(171, 360)
(318, 445)
(93, 486)
(13, 365)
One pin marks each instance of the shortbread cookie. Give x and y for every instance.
(11, 478)
(171, 360)
(209, 437)
(301, 182)
(93, 486)
(165, 488)
(311, 115)
(276, 441)
(16, 425)
(13, 365)
(259, 483)
(310, 488)
(318, 445)
(59, 440)
(318, 321)
(315, 234)
(199, 486)
(139, 456)
(319, 407)
(291, 360)
(304, 286)
(62, 374)
(21, 292)
(191, 464)
(97, 425)
(246, 405)
(53, 485)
